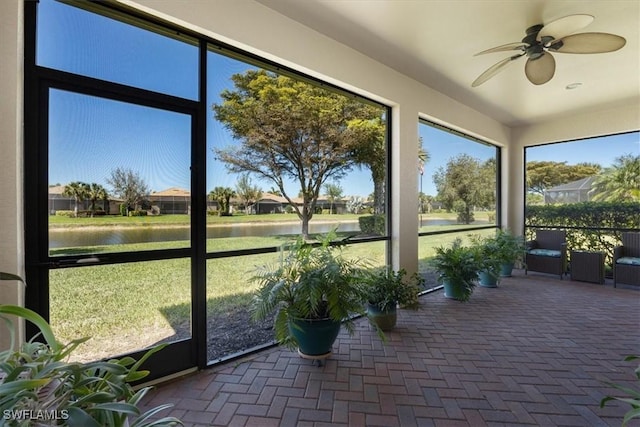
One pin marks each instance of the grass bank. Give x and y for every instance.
(125, 307)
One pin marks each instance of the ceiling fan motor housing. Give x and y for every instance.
(535, 49)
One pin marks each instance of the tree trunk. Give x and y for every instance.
(378, 197)
(305, 227)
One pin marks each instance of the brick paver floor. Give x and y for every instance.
(534, 351)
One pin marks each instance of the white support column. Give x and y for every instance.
(11, 136)
(513, 187)
(404, 188)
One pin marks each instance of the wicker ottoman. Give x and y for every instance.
(587, 266)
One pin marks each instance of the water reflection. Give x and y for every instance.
(96, 236)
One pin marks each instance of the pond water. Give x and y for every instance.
(97, 236)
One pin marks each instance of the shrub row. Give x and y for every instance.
(81, 213)
(590, 225)
(373, 224)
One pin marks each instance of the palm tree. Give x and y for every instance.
(222, 195)
(620, 182)
(95, 192)
(423, 156)
(78, 190)
(334, 193)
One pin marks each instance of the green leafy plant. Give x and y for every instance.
(313, 281)
(633, 395)
(458, 265)
(36, 380)
(487, 250)
(387, 288)
(508, 248)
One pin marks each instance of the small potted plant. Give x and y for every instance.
(457, 268)
(312, 291)
(386, 289)
(510, 248)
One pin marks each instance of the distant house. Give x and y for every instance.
(173, 200)
(571, 192)
(272, 203)
(59, 202)
(337, 207)
(268, 203)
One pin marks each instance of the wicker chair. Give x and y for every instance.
(626, 260)
(547, 253)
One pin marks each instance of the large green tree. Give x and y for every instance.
(466, 183)
(620, 182)
(290, 129)
(128, 186)
(370, 150)
(542, 175)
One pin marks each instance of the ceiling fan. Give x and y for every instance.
(556, 36)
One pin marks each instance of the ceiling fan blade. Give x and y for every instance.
(541, 70)
(564, 26)
(588, 43)
(505, 47)
(494, 69)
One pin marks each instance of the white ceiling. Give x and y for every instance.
(434, 42)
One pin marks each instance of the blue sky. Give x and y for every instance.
(89, 136)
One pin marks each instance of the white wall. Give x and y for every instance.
(11, 226)
(605, 122)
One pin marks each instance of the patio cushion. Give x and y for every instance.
(545, 252)
(628, 261)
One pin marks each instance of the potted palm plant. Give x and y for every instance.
(312, 291)
(37, 381)
(489, 264)
(457, 268)
(509, 249)
(386, 289)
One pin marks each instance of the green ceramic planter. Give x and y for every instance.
(315, 337)
(452, 290)
(487, 280)
(386, 320)
(506, 270)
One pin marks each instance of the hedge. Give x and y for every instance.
(373, 224)
(590, 226)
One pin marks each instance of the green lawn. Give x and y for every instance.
(165, 220)
(125, 307)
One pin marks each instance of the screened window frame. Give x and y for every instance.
(38, 80)
(498, 157)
